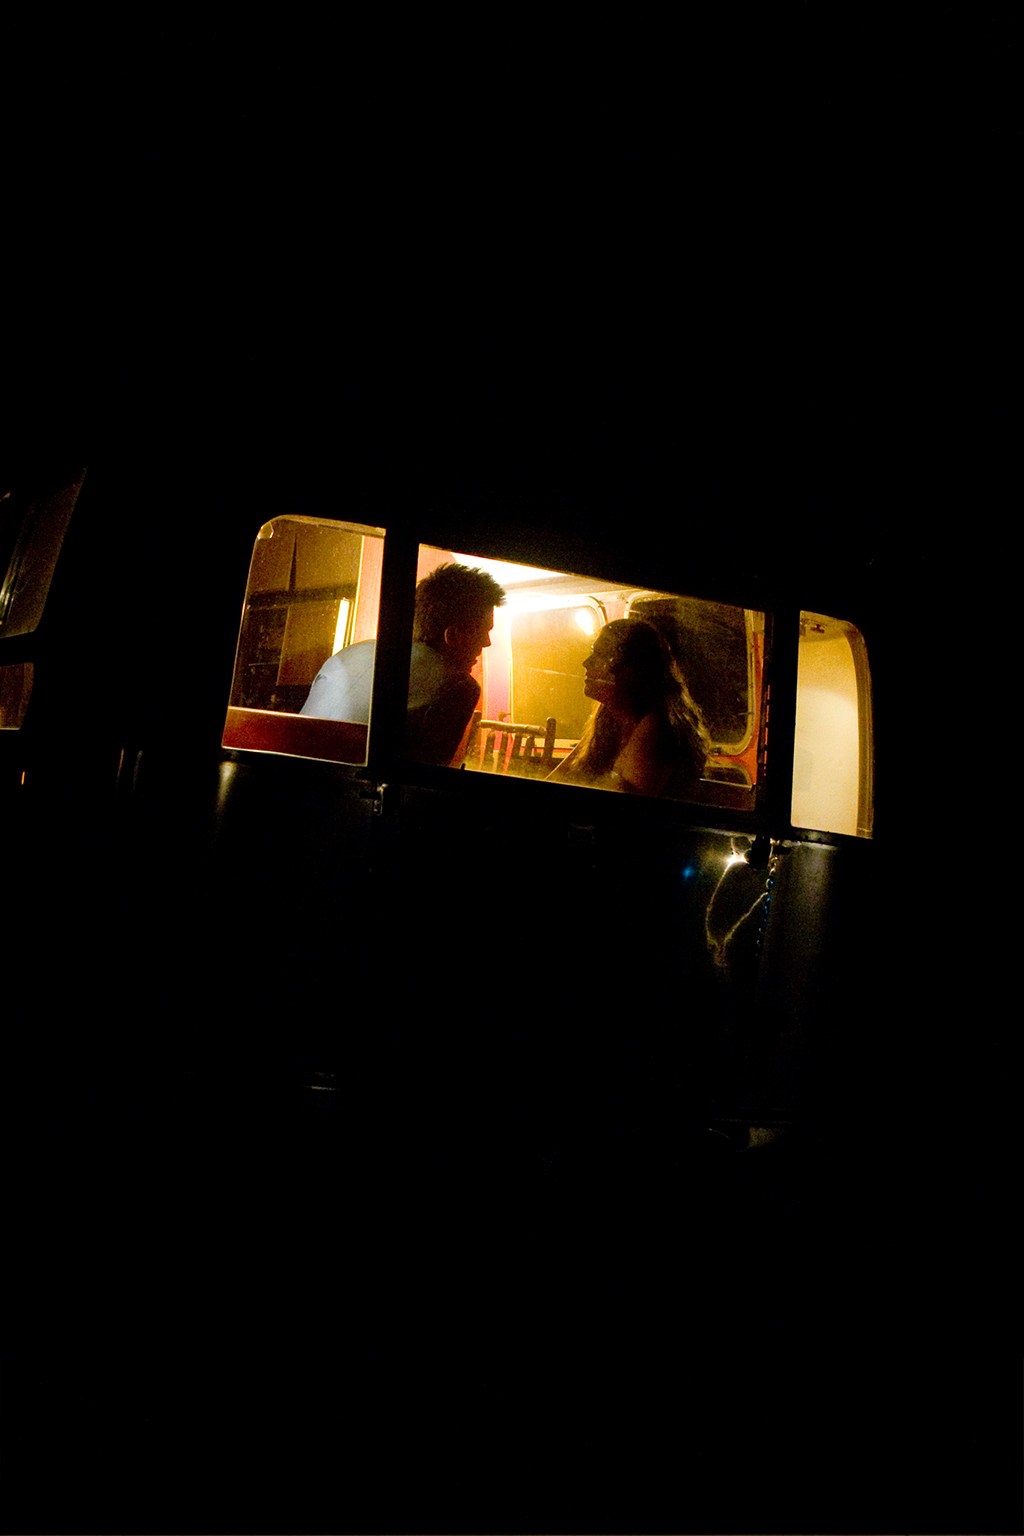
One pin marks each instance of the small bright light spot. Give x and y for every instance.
(586, 618)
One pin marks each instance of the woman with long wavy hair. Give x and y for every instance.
(646, 735)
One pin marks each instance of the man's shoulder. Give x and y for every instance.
(352, 658)
(341, 689)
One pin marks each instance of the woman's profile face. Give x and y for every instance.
(601, 667)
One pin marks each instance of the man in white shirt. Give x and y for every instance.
(454, 616)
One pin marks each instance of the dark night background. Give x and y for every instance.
(783, 294)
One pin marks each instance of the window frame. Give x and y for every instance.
(262, 731)
(770, 810)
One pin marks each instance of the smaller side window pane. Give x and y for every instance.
(833, 755)
(31, 534)
(312, 599)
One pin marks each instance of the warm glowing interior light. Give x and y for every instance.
(504, 571)
(342, 625)
(532, 602)
(827, 747)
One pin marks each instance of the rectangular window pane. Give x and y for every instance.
(681, 721)
(832, 762)
(31, 534)
(311, 604)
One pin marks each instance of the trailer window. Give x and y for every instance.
(313, 592)
(833, 757)
(536, 715)
(32, 530)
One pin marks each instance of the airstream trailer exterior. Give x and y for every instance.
(344, 918)
(317, 1053)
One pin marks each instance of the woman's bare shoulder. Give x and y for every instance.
(646, 760)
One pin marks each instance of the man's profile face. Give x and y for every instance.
(464, 642)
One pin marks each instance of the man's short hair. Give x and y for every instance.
(453, 595)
